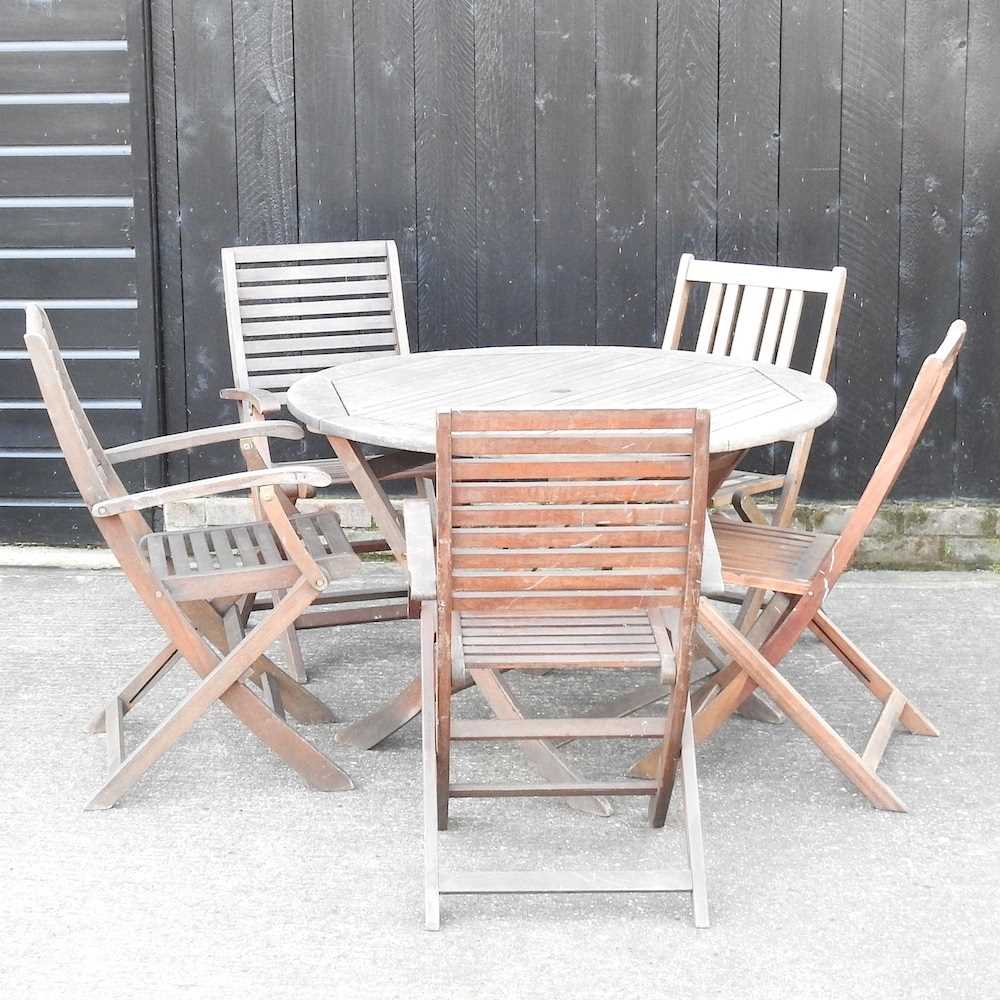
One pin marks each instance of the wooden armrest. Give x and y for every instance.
(289, 475)
(261, 400)
(287, 429)
(420, 550)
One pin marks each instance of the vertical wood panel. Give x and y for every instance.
(869, 239)
(324, 139)
(168, 221)
(626, 172)
(565, 164)
(931, 220)
(386, 178)
(978, 429)
(687, 112)
(749, 46)
(809, 174)
(505, 172)
(444, 64)
(206, 134)
(265, 124)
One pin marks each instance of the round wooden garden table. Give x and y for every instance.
(392, 401)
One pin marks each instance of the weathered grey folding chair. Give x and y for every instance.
(752, 312)
(299, 308)
(566, 540)
(199, 584)
(801, 568)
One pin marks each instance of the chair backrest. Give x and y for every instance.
(752, 311)
(920, 404)
(300, 308)
(544, 511)
(92, 471)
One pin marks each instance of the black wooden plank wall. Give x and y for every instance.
(543, 163)
(74, 236)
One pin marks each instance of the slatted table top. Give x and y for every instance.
(393, 401)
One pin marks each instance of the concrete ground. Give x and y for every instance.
(221, 876)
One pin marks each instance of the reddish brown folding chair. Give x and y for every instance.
(294, 309)
(567, 541)
(799, 569)
(199, 584)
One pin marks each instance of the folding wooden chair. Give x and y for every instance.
(800, 569)
(299, 308)
(752, 312)
(566, 540)
(199, 585)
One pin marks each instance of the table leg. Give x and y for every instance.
(370, 490)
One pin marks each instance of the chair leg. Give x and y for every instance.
(432, 899)
(692, 823)
(368, 732)
(221, 681)
(290, 640)
(762, 673)
(880, 686)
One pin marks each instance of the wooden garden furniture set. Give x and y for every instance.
(560, 525)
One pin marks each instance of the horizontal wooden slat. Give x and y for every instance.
(64, 125)
(465, 580)
(84, 176)
(343, 341)
(562, 537)
(61, 72)
(336, 292)
(594, 491)
(585, 881)
(66, 227)
(26, 20)
(514, 641)
(570, 515)
(542, 603)
(312, 272)
(294, 309)
(570, 467)
(481, 420)
(583, 557)
(581, 443)
(75, 328)
(93, 377)
(556, 729)
(295, 363)
(47, 525)
(32, 428)
(281, 254)
(761, 276)
(477, 791)
(284, 380)
(105, 278)
(44, 473)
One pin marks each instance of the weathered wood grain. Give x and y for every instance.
(505, 172)
(626, 172)
(265, 122)
(206, 136)
(383, 100)
(687, 113)
(809, 173)
(871, 139)
(444, 77)
(565, 165)
(930, 241)
(324, 116)
(978, 425)
(749, 49)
